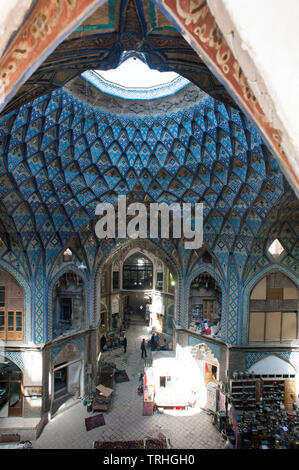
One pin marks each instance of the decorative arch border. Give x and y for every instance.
(201, 269)
(210, 353)
(248, 286)
(50, 290)
(114, 252)
(198, 26)
(28, 300)
(79, 345)
(260, 355)
(139, 250)
(16, 357)
(49, 23)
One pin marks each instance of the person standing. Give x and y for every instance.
(156, 340)
(125, 344)
(143, 349)
(103, 343)
(153, 342)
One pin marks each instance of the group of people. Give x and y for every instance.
(154, 342)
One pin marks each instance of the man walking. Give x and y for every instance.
(143, 349)
(125, 344)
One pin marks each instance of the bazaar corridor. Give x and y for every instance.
(124, 420)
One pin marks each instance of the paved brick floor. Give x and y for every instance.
(124, 420)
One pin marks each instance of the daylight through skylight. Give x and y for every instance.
(276, 248)
(133, 73)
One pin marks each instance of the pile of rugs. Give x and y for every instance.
(121, 376)
(140, 444)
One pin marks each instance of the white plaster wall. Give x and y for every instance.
(272, 365)
(33, 367)
(12, 16)
(264, 36)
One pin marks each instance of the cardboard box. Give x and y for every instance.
(105, 391)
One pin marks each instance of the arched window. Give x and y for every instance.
(205, 304)
(273, 310)
(68, 303)
(138, 272)
(11, 308)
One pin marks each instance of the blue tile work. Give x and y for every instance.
(143, 94)
(39, 305)
(253, 357)
(60, 157)
(233, 306)
(80, 342)
(16, 357)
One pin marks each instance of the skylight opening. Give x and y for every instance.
(67, 255)
(133, 73)
(276, 248)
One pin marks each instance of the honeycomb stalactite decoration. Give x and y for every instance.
(65, 157)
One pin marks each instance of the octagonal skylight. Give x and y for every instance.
(134, 79)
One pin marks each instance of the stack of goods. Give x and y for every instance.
(103, 395)
(102, 399)
(107, 376)
(113, 341)
(269, 428)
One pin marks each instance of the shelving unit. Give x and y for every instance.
(241, 389)
(196, 316)
(269, 388)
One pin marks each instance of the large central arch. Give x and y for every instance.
(127, 247)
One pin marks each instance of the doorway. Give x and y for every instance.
(66, 381)
(11, 390)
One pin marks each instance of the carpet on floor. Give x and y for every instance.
(141, 444)
(121, 376)
(94, 421)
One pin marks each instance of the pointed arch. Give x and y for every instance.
(50, 292)
(251, 282)
(129, 247)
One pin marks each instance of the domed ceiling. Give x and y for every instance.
(69, 149)
(60, 157)
(98, 44)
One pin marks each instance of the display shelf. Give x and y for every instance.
(265, 387)
(243, 392)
